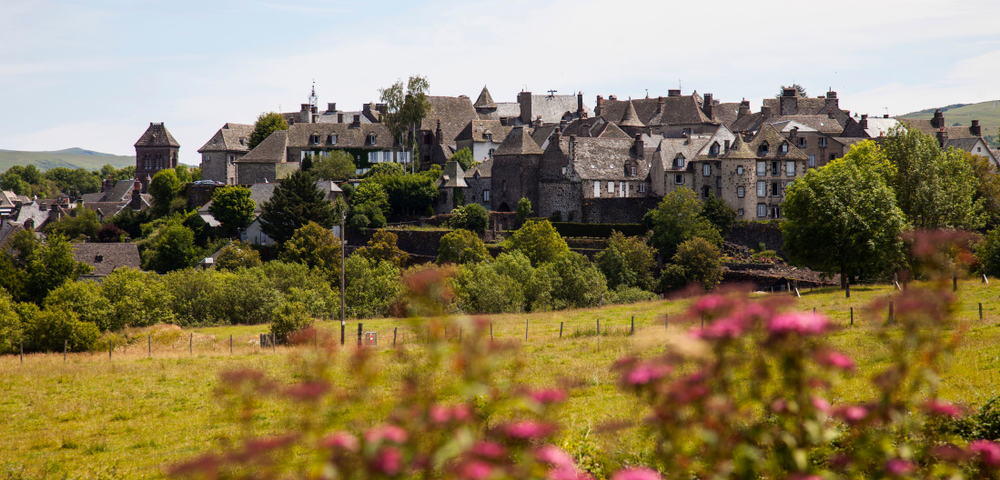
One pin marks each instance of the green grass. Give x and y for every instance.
(131, 415)
(48, 160)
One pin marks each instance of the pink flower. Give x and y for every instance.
(528, 429)
(439, 414)
(836, 360)
(566, 472)
(551, 395)
(392, 433)
(636, 474)
(461, 412)
(705, 304)
(388, 461)
(988, 451)
(803, 323)
(342, 441)
(937, 407)
(475, 470)
(720, 329)
(645, 373)
(820, 403)
(779, 405)
(899, 467)
(488, 450)
(804, 476)
(851, 413)
(554, 455)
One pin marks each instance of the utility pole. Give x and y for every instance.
(343, 241)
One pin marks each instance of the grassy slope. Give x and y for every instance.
(987, 113)
(47, 160)
(132, 415)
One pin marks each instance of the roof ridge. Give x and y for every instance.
(630, 118)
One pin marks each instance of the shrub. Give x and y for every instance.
(538, 241)
(629, 295)
(472, 217)
(11, 327)
(580, 284)
(51, 330)
(523, 210)
(373, 286)
(83, 299)
(288, 318)
(237, 255)
(382, 248)
(481, 289)
(702, 262)
(137, 299)
(461, 246)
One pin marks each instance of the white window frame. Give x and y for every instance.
(739, 212)
(739, 169)
(802, 142)
(597, 188)
(790, 168)
(761, 188)
(679, 161)
(386, 156)
(761, 168)
(332, 139)
(679, 176)
(373, 157)
(564, 170)
(761, 210)
(706, 170)
(783, 148)
(622, 190)
(611, 186)
(812, 161)
(642, 188)
(741, 191)
(486, 195)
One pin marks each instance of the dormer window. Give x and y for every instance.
(476, 175)
(679, 161)
(633, 171)
(564, 170)
(714, 150)
(802, 142)
(763, 149)
(371, 139)
(784, 147)
(314, 139)
(488, 137)
(331, 139)
(243, 141)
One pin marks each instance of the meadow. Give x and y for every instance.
(137, 412)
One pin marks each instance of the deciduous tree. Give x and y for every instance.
(266, 124)
(677, 219)
(461, 246)
(335, 165)
(233, 207)
(163, 188)
(539, 241)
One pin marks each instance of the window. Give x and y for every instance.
(597, 188)
(371, 139)
(979, 149)
(761, 210)
(314, 139)
(812, 161)
(833, 156)
(739, 212)
(706, 170)
(705, 191)
(741, 192)
(679, 179)
(488, 137)
(207, 157)
(715, 149)
(763, 149)
(491, 152)
(476, 175)
(232, 159)
(822, 142)
(679, 162)
(761, 188)
(775, 168)
(761, 168)
(790, 169)
(564, 170)
(331, 139)
(486, 195)
(775, 189)
(633, 171)
(404, 157)
(802, 142)
(372, 157)
(739, 169)
(642, 188)
(611, 187)
(718, 182)
(243, 141)
(784, 147)
(622, 192)
(386, 156)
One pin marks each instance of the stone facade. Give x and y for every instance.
(265, 172)
(617, 210)
(154, 151)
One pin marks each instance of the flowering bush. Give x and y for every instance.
(748, 395)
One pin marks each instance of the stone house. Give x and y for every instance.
(451, 186)
(440, 128)
(220, 153)
(267, 162)
(968, 139)
(106, 258)
(673, 164)
(673, 116)
(155, 150)
(482, 138)
(755, 173)
(478, 183)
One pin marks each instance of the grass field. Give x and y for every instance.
(70, 158)
(986, 112)
(133, 414)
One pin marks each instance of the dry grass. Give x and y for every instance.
(128, 416)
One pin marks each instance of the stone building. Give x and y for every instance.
(753, 174)
(482, 138)
(220, 153)
(267, 162)
(968, 139)
(451, 186)
(478, 182)
(442, 125)
(155, 150)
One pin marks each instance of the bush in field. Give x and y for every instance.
(316, 247)
(237, 255)
(137, 299)
(629, 295)
(372, 286)
(580, 284)
(11, 329)
(481, 289)
(83, 299)
(195, 296)
(537, 240)
(52, 330)
(288, 318)
(461, 246)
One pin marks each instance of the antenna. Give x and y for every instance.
(312, 95)
(552, 93)
(886, 111)
(679, 84)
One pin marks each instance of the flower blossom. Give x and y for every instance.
(836, 360)
(389, 461)
(636, 474)
(899, 467)
(392, 433)
(802, 323)
(546, 396)
(341, 440)
(645, 373)
(988, 451)
(527, 429)
(475, 470)
(851, 414)
(937, 407)
(730, 327)
(554, 455)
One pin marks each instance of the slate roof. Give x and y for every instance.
(669, 149)
(877, 127)
(603, 158)
(272, 150)
(347, 137)
(630, 118)
(454, 112)
(751, 149)
(485, 100)
(818, 123)
(232, 137)
(106, 209)
(484, 169)
(508, 109)
(750, 123)
(476, 131)
(541, 134)
(262, 192)
(926, 127)
(121, 192)
(452, 177)
(107, 257)
(680, 110)
(552, 108)
(333, 117)
(725, 113)
(518, 142)
(157, 136)
(965, 144)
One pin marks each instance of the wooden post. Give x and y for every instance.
(22, 353)
(342, 331)
(360, 327)
(274, 343)
(149, 344)
(892, 317)
(848, 290)
(895, 280)
(394, 336)
(491, 332)
(852, 316)
(560, 330)
(191, 344)
(666, 320)
(111, 346)
(525, 329)
(980, 311)
(230, 344)
(954, 282)
(65, 347)
(632, 329)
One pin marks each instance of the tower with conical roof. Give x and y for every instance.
(485, 107)
(515, 171)
(155, 150)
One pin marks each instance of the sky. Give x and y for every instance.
(94, 74)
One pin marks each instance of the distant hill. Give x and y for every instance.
(988, 114)
(70, 158)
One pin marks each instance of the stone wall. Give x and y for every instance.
(199, 195)
(248, 173)
(414, 242)
(617, 210)
(562, 198)
(752, 234)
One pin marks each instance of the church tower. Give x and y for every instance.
(154, 151)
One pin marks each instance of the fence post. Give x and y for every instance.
(560, 330)
(274, 343)
(848, 289)
(852, 316)
(394, 336)
(65, 347)
(954, 282)
(360, 327)
(598, 329)
(230, 344)
(342, 333)
(22, 352)
(525, 329)
(491, 332)
(149, 344)
(892, 317)
(632, 329)
(191, 344)
(980, 311)
(666, 321)
(111, 346)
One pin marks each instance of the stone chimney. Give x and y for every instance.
(942, 137)
(833, 114)
(136, 201)
(765, 112)
(975, 129)
(788, 104)
(524, 100)
(613, 97)
(357, 121)
(831, 100)
(556, 135)
(438, 133)
(725, 147)
(305, 114)
(938, 120)
(744, 109)
(674, 92)
(598, 106)
(572, 155)
(381, 108)
(315, 114)
(793, 134)
(331, 107)
(640, 151)
(108, 185)
(706, 106)
(579, 105)
(538, 121)
(864, 121)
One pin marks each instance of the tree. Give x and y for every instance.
(366, 215)
(295, 202)
(50, 265)
(335, 165)
(382, 248)
(934, 188)
(373, 193)
(138, 299)
(701, 261)
(461, 246)
(266, 124)
(987, 188)
(83, 222)
(539, 241)
(406, 107)
(615, 268)
(316, 247)
(84, 299)
(842, 219)
(289, 317)
(13, 182)
(52, 330)
(163, 188)
(719, 213)
(183, 173)
(580, 283)
(523, 210)
(11, 328)
(678, 218)
(233, 207)
(464, 158)
(372, 286)
(170, 247)
(237, 255)
(472, 217)
(798, 88)
(640, 257)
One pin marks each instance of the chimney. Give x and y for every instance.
(831, 100)
(744, 109)
(556, 135)
(315, 114)
(793, 134)
(788, 104)
(725, 147)
(331, 107)
(538, 121)
(597, 109)
(864, 121)
(613, 98)
(357, 121)
(579, 104)
(305, 114)
(942, 137)
(366, 110)
(438, 134)
(938, 120)
(789, 92)
(706, 106)
(885, 115)
(674, 92)
(640, 152)
(975, 129)
(765, 111)
(136, 201)
(572, 154)
(833, 114)
(524, 100)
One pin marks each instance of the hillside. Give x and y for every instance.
(69, 158)
(963, 113)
